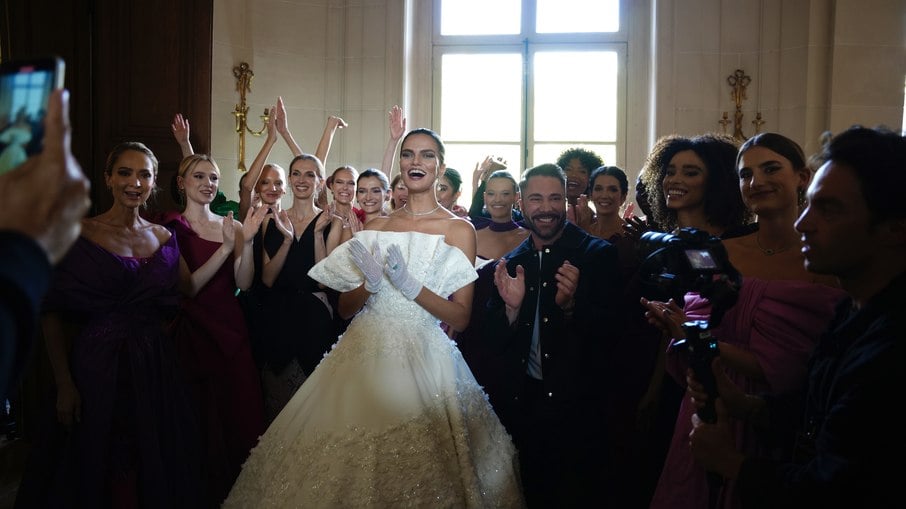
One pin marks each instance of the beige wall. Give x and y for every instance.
(815, 65)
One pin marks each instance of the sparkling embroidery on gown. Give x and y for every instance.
(392, 416)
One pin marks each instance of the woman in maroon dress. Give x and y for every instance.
(210, 329)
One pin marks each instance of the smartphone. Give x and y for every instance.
(25, 88)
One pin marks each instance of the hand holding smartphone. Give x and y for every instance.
(25, 87)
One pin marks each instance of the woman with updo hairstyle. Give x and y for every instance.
(372, 193)
(122, 431)
(609, 188)
(294, 241)
(691, 182)
(449, 188)
(392, 416)
(495, 237)
(214, 348)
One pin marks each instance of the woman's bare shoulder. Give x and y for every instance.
(379, 223)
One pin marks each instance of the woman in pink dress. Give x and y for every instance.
(766, 337)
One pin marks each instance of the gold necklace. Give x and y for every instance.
(410, 212)
(769, 251)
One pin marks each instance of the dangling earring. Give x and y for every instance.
(800, 197)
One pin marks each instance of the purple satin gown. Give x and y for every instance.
(137, 438)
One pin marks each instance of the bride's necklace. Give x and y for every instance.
(769, 251)
(409, 211)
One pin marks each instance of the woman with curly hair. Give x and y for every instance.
(692, 182)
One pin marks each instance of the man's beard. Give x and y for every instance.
(554, 228)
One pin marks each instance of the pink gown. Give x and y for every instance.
(777, 321)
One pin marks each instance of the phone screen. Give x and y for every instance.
(25, 87)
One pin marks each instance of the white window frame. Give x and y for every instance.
(529, 42)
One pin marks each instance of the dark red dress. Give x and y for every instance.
(215, 353)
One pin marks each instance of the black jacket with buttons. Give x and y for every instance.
(575, 351)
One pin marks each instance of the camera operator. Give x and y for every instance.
(846, 442)
(41, 204)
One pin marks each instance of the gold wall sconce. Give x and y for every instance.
(738, 82)
(244, 75)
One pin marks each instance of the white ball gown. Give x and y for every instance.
(392, 416)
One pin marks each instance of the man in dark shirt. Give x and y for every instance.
(847, 442)
(553, 318)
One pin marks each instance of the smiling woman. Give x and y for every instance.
(114, 363)
(394, 385)
(372, 193)
(692, 182)
(214, 348)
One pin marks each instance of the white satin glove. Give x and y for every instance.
(369, 263)
(399, 275)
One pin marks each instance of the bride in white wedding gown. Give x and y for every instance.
(392, 416)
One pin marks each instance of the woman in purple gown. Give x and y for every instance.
(210, 330)
(123, 433)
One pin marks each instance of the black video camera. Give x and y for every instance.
(691, 260)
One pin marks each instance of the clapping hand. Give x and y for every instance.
(253, 219)
(229, 231)
(567, 277)
(334, 122)
(634, 227)
(369, 263)
(398, 273)
(511, 289)
(324, 219)
(584, 214)
(279, 114)
(666, 316)
(284, 224)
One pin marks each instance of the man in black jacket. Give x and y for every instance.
(847, 438)
(554, 320)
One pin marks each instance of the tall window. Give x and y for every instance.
(527, 79)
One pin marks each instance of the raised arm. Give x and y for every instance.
(281, 126)
(333, 123)
(254, 172)
(480, 175)
(397, 128)
(180, 128)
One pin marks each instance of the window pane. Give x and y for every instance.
(550, 152)
(573, 16)
(463, 156)
(575, 95)
(481, 97)
(458, 17)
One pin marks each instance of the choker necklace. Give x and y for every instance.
(767, 251)
(409, 211)
(502, 227)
